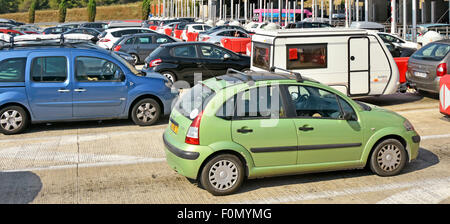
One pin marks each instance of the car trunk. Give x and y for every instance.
(422, 70)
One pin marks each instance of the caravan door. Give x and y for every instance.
(358, 66)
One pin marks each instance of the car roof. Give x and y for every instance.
(124, 28)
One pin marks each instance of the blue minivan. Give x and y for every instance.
(73, 82)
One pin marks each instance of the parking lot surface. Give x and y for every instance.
(119, 162)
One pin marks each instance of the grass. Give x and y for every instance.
(111, 12)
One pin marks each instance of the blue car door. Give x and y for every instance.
(99, 88)
(49, 87)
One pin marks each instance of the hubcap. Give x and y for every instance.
(223, 174)
(11, 120)
(135, 58)
(389, 157)
(146, 112)
(169, 77)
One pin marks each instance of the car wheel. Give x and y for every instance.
(135, 58)
(388, 158)
(170, 76)
(146, 112)
(245, 70)
(13, 120)
(222, 175)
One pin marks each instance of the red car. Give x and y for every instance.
(11, 32)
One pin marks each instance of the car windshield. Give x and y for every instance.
(194, 101)
(432, 51)
(129, 66)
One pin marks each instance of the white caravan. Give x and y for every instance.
(354, 61)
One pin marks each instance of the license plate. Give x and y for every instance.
(174, 128)
(420, 74)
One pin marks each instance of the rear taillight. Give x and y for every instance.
(117, 48)
(441, 69)
(154, 63)
(104, 40)
(192, 136)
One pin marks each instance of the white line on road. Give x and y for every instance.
(443, 183)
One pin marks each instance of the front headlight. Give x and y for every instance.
(408, 126)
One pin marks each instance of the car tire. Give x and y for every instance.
(222, 175)
(169, 75)
(136, 58)
(388, 158)
(13, 120)
(146, 112)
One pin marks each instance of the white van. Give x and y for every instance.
(354, 61)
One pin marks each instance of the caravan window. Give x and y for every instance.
(306, 56)
(261, 56)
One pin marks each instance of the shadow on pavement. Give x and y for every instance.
(393, 99)
(56, 126)
(424, 160)
(19, 187)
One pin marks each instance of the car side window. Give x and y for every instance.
(91, 69)
(49, 69)
(211, 52)
(260, 102)
(13, 70)
(311, 102)
(143, 40)
(130, 41)
(187, 51)
(346, 108)
(162, 40)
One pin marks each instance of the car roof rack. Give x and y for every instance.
(235, 73)
(8, 41)
(298, 76)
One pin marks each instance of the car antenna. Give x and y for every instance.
(298, 76)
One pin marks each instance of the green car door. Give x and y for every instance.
(323, 135)
(261, 126)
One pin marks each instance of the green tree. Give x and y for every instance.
(92, 10)
(32, 11)
(62, 11)
(145, 9)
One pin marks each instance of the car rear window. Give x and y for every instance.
(194, 101)
(12, 70)
(187, 51)
(261, 56)
(432, 51)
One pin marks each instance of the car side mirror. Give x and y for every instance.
(226, 57)
(348, 116)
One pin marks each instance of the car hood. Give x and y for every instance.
(154, 75)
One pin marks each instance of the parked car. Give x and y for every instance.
(89, 31)
(388, 37)
(224, 27)
(280, 124)
(56, 30)
(163, 26)
(11, 32)
(100, 27)
(26, 30)
(148, 23)
(50, 83)
(368, 26)
(180, 60)
(217, 36)
(70, 25)
(108, 37)
(139, 46)
(193, 28)
(303, 24)
(427, 65)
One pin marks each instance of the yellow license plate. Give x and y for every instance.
(174, 127)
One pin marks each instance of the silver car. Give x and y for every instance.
(217, 36)
(427, 65)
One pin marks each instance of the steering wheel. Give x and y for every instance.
(107, 69)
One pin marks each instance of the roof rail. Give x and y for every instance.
(232, 72)
(8, 41)
(298, 76)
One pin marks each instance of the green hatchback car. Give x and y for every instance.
(260, 124)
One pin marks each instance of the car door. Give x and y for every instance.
(323, 135)
(144, 45)
(214, 59)
(49, 87)
(99, 88)
(188, 62)
(260, 125)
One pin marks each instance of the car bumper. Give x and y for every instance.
(413, 145)
(418, 83)
(184, 158)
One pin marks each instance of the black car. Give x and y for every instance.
(139, 46)
(303, 24)
(56, 30)
(100, 27)
(180, 60)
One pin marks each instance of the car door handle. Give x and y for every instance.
(305, 128)
(63, 90)
(80, 90)
(244, 130)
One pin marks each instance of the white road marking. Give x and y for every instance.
(441, 183)
(427, 137)
(429, 194)
(418, 110)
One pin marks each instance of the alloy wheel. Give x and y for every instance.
(146, 112)
(11, 120)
